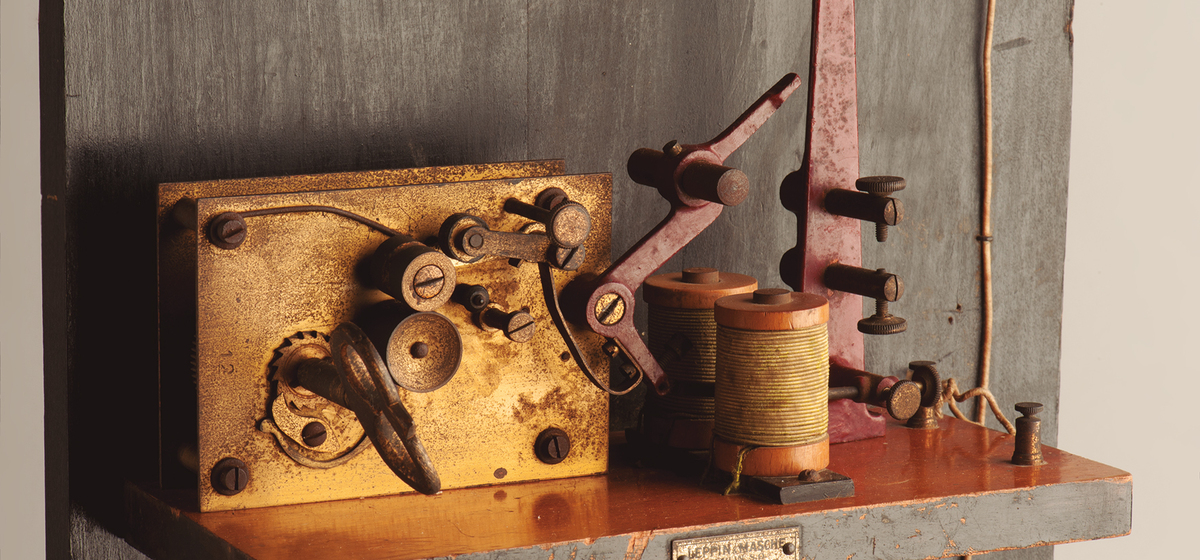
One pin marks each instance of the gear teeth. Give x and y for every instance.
(299, 339)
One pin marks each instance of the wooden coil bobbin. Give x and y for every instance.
(772, 380)
(683, 335)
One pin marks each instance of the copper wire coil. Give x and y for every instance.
(673, 406)
(699, 328)
(772, 386)
(697, 364)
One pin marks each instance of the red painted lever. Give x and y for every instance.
(693, 180)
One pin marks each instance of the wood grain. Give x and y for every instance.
(919, 494)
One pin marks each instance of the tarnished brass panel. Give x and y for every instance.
(301, 272)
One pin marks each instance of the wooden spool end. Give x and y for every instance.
(695, 288)
(772, 310)
(772, 461)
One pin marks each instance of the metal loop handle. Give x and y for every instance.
(375, 399)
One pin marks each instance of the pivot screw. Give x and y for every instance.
(230, 476)
(428, 281)
(313, 434)
(567, 223)
(472, 296)
(610, 308)
(419, 350)
(568, 258)
(552, 446)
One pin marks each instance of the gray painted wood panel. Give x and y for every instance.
(158, 91)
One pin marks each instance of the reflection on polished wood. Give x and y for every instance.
(904, 482)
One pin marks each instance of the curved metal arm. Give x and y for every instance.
(367, 389)
(692, 179)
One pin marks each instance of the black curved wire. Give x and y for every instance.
(326, 209)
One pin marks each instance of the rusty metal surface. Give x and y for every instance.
(830, 162)
(1027, 450)
(177, 276)
(691, 195)
(484, 421)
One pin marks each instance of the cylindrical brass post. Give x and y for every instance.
(1028, 450)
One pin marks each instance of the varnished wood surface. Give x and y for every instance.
(957, 478)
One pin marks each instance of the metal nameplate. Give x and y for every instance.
(759, 545)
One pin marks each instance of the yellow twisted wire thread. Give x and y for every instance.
(698, 362)
(737, 470)
(773, 386)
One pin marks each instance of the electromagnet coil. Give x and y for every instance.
(772, 383)
(683, 335)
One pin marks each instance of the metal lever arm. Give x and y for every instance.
(363, 384)
(693, 180)
(468, 238)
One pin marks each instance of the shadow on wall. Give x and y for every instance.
(112, 277)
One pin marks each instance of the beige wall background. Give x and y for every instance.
(1131, 243)
(1129, 331)
(22, 492)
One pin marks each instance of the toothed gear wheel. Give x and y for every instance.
(293, 407)
(295, 349)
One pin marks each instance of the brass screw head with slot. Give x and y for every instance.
(609, 309)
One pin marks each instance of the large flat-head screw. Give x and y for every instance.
(552, 446)
(230, 476)
(518, 326)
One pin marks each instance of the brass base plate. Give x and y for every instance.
(301, 272)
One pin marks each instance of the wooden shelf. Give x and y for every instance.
(919, 494)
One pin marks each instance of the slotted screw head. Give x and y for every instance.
(610, 308)
(552, 446)
(230, 476)
(428, 281)
(313, 434)
(521, 327)
(569, 258)
(227, 230)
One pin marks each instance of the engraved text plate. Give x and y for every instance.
(781, 544)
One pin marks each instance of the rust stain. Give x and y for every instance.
(637, 545)
(244, 311)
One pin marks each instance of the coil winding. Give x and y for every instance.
(772, 383)
(774, 386)
(682, 336)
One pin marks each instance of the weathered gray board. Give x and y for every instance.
(136, 93)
